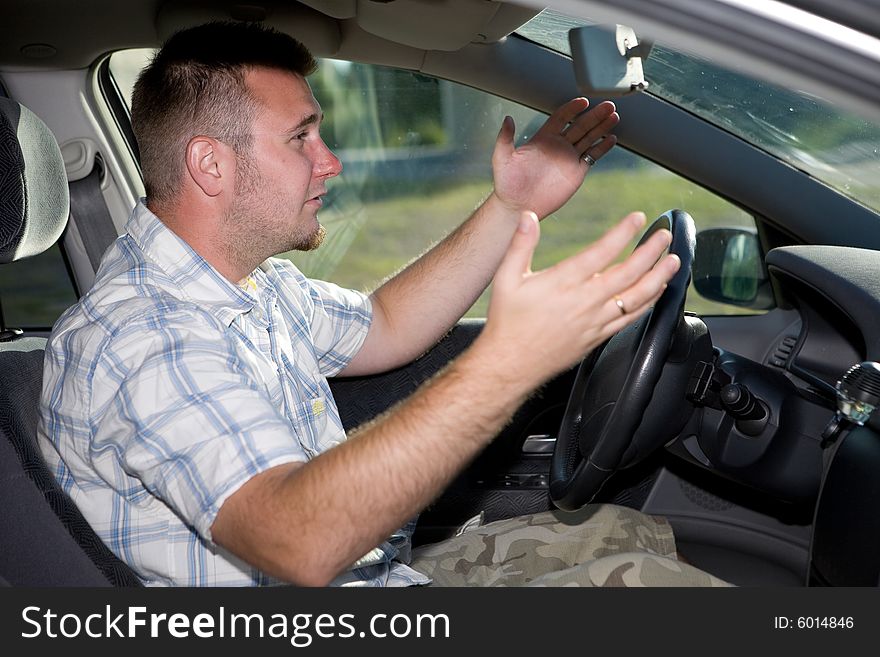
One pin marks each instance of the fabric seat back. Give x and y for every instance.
(44, 539)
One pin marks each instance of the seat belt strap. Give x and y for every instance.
(90, 213)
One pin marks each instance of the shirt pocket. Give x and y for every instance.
(312, 428)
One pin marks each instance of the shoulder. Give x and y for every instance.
(110, 323)
(131, 293)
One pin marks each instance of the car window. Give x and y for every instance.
(835, 146)
(416, 153)
(35, 291)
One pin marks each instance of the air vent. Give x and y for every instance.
(779, 357)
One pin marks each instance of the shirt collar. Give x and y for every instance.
(194, 277)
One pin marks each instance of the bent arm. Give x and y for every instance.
(415, 308)
(306, 523)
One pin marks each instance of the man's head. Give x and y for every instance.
(195, 85)
(224, 113)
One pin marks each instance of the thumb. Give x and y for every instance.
(517, 262)
(504, 142)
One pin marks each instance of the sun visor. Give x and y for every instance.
(318, 32)
(334, 8)
(449, 25)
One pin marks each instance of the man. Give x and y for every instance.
(186, 407)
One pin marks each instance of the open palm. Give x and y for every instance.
(542, 174)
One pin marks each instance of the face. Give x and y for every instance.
(281, 182)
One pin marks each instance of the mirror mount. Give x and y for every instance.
(608, 59)
(642, 50)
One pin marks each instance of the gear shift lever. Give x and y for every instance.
(858, 394)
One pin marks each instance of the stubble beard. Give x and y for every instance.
(313, 241)
(252, 228)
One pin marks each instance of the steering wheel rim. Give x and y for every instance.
(576, 478)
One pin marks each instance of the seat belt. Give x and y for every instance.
(90, 213)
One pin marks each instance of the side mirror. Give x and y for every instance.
(608, 59)
(728, 268)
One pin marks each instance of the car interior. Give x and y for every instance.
(740, 408)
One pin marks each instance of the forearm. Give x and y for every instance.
(416, 307)
(308, 523)
(317, 519)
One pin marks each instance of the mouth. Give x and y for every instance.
(317, 200)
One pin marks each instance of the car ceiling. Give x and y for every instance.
(43, 34)
(49, 34)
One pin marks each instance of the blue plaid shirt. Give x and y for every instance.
(167, 387)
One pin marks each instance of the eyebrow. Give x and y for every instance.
(311, 119)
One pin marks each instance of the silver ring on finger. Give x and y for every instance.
(620, 305)
(589, 159)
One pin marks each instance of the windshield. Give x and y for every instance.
(832, 145)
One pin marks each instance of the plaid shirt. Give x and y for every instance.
(167, 387)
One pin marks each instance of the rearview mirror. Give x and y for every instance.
(608, 59)
(728, 267)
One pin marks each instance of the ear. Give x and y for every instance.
(210, 163)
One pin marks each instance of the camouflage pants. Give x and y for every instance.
(601, 545)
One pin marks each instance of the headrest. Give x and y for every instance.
(34, 201)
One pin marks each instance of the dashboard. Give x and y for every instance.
(789, 444)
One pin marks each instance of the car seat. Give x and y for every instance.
(44, 539)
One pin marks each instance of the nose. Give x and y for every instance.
(326, 163)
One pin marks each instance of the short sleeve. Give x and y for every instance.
(339, 318)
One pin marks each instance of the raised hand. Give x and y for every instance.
(548, 320)
(542, 174)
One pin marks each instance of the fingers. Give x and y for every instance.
(504, 143)
(622, 320)
(626, 273)
(518, 260)
(587, 296)
(622, 291)
(628, 305)
(631, 287)
(590, 126)
(595, 153)
(567, 113)
(596, 149)
(644, 290)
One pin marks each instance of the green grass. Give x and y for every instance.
(370, 241)
(395, 230)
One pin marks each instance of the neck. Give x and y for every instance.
(201, 228)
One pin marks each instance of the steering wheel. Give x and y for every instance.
(615, 385)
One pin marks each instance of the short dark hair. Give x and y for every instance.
(195, 85)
